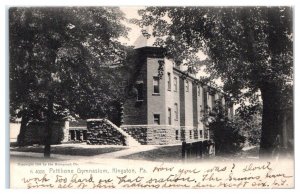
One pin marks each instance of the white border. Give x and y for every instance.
(4, 77)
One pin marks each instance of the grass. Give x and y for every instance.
(69, 150)
(173, 154)
(161, 154)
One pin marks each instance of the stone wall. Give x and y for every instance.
(138, 133)
(154, 135)
(102, 133)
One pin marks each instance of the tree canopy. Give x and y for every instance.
(249, 48)
(63, 61)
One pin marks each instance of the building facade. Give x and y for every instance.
(166, 105)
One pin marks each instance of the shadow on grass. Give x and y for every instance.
(69, 150)
(173, 154)
(160, 154)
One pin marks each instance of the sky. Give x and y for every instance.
(137, 40)
(135, 32)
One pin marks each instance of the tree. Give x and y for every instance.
(249, 48)
(225, 132)
(248, 119)
(60, 62)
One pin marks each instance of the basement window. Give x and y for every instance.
(177, 134)
(156, 119)
(200, 134)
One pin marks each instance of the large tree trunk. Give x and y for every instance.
(272, 130)
(49, 124)
(23, 129)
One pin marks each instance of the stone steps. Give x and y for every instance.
(130, 141)
(109, 138)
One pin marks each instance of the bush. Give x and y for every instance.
(228, 139)
(225, 133)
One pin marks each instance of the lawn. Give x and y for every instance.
(69, 150)
(160, 154)
(173, 154)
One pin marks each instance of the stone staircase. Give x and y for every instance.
(110, 132)
(130, 141)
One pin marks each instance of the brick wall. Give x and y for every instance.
(182, 101)
(156, 102)
(176, 99)
(195, 106)
(135, 112)
(189, 104)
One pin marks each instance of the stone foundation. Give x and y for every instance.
(162, 135)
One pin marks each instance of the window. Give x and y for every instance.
(140, 94)
(156, 85)
(169, 116)
(176, 111)
(72, 135)
(177, 134)
(201, 133)
(169, 81)
(195, 134)
(175, 84)
(187, 86)
(199, 91)
(182, 135)
(201, 112)
(156, 119)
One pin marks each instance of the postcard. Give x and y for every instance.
(151, 97)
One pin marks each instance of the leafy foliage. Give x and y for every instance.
(248, 119)
(255, 39)
(249, 48)
(226, 134)
(64, 61)
(68, 53)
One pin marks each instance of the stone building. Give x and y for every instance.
(75, 131)
(165, 104)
